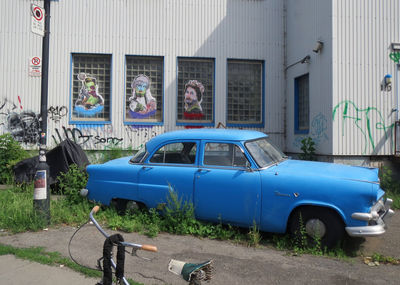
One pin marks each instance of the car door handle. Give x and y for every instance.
(204, 170)
(147, 167)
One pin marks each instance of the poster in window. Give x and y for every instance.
(141, 104)
(193, 96)
(89, 102)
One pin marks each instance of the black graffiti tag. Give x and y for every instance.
(56, 113)
(112, 140)
(74, 134)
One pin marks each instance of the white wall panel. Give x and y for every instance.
(363, 32)
(242, 29)
(309, 21)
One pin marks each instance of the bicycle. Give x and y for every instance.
(194, 273)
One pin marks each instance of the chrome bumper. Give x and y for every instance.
(377, 218)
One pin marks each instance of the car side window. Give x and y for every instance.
(179, 153)
(224, 154)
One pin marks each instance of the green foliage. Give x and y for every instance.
(11, 153)
(308, 148)
(390, 185)
(254, 236)
(39, 255)
(112, 151)
(71, 183)
(17, 213)
(178, 216)
(385, 259)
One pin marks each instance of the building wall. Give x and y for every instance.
(362, 112)
(229, 29)
(309, 21)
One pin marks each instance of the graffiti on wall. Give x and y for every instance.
(362, 120)
(56, 113)
(83, 138)
(395, 56)
(24, 126)
(318, 128)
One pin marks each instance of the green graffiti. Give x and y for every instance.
(360, 116)
(395, 56)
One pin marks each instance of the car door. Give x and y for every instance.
(226, 189)
(171, 167)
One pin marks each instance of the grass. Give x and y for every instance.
(17, 215)
(38, 254)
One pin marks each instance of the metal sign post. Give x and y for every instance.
(41, 197)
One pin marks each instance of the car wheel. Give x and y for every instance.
(124, 206)
(119, 205)
(310, 224)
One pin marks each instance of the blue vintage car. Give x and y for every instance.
(239, 177)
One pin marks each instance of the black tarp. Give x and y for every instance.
(59, 159)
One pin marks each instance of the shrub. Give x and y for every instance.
(71, 183)
(390, 185)
(308, 148)
(11, 152)
(112, 151)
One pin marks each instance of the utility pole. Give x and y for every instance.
(41, 196)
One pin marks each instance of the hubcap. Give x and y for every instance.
(315, 228)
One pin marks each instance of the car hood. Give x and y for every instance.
(328, 170)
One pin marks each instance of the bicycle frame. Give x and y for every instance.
(134, 246)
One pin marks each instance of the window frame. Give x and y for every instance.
(249, 125)
(297, 129)
(183, 142)
(142, 122)
(235, 146)
(181, 122)
(81, 121)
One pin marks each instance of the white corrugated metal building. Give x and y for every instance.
(120, 71)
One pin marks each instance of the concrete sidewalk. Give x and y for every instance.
(14, 271)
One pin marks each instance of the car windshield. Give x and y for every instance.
(264, 152)
(138, 157)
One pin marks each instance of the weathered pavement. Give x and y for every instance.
(234, 264)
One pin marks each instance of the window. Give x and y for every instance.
(301, 104)
(195, 91)
(264, 152)
(245, 93)
(224, 154)
(144, 89)
(181, 153)
(91, 87)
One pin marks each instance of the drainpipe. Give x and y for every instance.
(397, 91)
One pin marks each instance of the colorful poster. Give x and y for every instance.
(89, 102)
(40, 191)
(193, 96)
(141, 104)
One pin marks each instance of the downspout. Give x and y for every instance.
(285, 73)
(397, 91)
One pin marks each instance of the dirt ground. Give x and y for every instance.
(234, 264)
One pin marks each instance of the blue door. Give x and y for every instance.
(226, 189)
(171, 167)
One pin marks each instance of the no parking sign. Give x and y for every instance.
(37, 19)
(35, 66)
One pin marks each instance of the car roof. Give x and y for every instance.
(209, 134)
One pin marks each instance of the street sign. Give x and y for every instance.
(37, 26)
(35, 66)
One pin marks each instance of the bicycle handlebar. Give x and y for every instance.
(147, 247)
